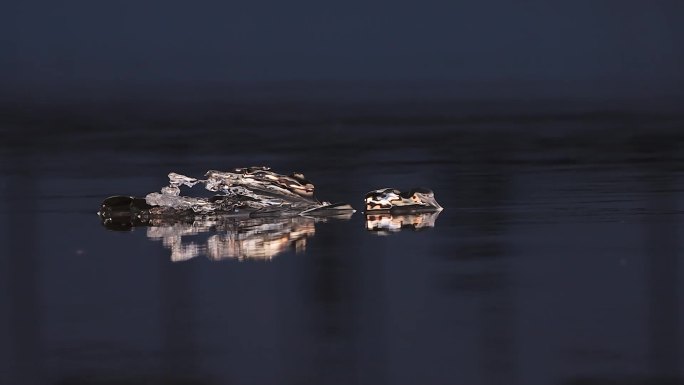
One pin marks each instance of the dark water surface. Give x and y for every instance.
(555, 261)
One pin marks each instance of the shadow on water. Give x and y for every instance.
(178, 326)
(480, 259)
(662, 269)
(329, 287)
(25, 364)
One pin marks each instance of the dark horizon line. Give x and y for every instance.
(346, 91)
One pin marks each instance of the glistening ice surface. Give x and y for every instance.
(241, 188)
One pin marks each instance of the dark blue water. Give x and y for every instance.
(555, 261)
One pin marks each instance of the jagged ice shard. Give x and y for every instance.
(251, 191)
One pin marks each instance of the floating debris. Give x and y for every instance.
(396, 201)
(255, 213)
(250, 191)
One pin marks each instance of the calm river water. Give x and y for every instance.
(555, 261)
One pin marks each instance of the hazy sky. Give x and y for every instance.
(95, 42)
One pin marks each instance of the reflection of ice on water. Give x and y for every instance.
(172, 238)
(260, 245)
(241, 239)
(255, 214)
(386, 223)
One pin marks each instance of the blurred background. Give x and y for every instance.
(551, 132)
(490, 49)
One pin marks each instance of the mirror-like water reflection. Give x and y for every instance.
(387, 223)
(261, 238)
(236, 238)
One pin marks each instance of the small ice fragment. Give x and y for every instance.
(179, 180)
(171, 190)
(164, 200)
